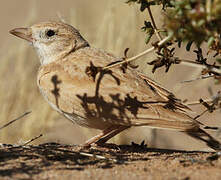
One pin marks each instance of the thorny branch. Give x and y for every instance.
(167, 59)
(139, 55)
(154, 24)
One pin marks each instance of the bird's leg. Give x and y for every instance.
(99, 136)
(105, 135)
(111, 134)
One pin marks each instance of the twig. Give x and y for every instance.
(199, 78)
(197, 102)
(208, 10)
(198, 116)
(214, 99)
(31, 140)
(97, 156)
(25, 114)
(210, 107)
(195, 64)
(139, 55)
(154, 24)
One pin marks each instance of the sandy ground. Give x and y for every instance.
(56, 161)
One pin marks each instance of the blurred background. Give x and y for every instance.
(110, 25)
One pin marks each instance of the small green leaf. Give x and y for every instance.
(210, 41)
(201, 22)
(148, 37)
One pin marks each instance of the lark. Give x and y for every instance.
(72, 80)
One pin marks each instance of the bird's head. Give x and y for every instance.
(52, 40)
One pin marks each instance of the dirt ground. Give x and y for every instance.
(57, 161)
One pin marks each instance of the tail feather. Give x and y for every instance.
(204, 136)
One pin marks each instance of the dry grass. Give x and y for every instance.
(113, 28)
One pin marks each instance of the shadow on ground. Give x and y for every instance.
(26, 162)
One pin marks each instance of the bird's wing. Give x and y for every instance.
(113, 97)
(163, 93)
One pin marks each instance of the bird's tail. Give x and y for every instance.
(204, 136)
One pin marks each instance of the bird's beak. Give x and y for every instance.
(24, 33)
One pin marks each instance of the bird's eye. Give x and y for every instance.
(50, 33)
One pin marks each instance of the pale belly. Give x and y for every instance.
(77, 119)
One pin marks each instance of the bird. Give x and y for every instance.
(72, 79)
